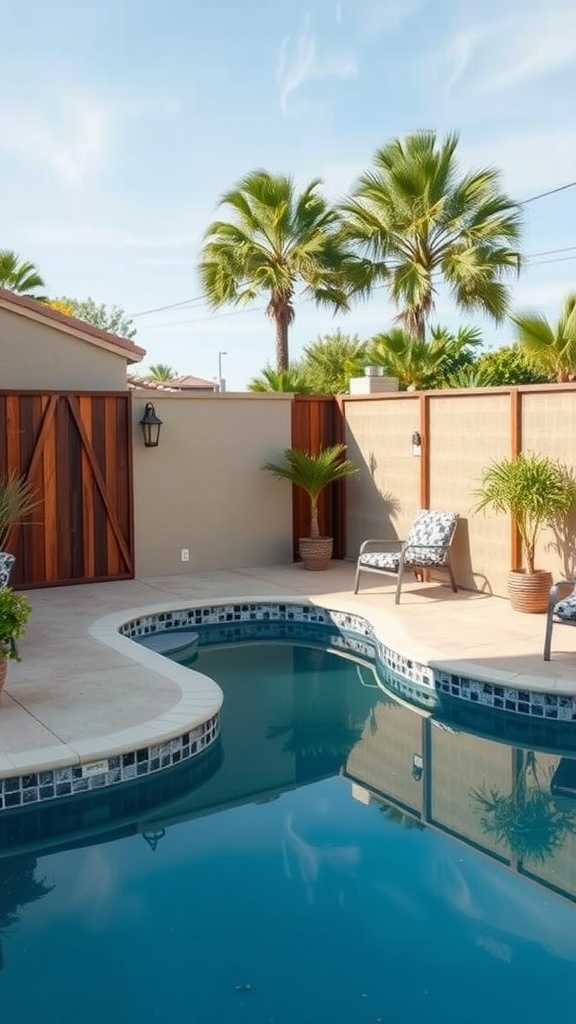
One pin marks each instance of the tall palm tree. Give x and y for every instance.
(20, 276)
(277, 241)
(422, 222)
(420, 362)
(550, 349)
(162, 372)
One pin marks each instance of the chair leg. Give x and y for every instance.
(357, 579)
(548, 635)
(452, 580)
(398, 587)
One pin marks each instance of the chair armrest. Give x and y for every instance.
(556, 592)
(381, 544)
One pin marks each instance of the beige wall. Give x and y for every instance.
(466, 432)
(203, 487)
(35, 356)
(380, 500)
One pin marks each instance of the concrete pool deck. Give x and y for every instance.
(78, 696)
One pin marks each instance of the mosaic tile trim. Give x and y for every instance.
(418, 683)
(35, 787)
(504, 698)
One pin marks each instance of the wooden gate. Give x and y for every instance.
(317, 423)
(76, 451)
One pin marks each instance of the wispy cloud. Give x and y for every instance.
(378, 16)
(72, 136)
(511, 50)
(300, 62)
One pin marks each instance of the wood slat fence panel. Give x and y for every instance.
(316, 424)
(76, 450)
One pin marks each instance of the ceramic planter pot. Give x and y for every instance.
(529, 593)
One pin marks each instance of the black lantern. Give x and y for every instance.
(150, 426)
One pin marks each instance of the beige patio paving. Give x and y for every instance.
(75, 697)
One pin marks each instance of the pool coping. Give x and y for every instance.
(200, 697)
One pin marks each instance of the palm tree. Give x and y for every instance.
(276, 241)
(290, 380)
(20, 276)
(161, 371)
(420, 362)
(422, 222)
(550, 349)
(312, 473)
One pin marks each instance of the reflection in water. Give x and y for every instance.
(345, 860)
(528, 821)
(18, 886)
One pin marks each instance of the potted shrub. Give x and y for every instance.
(312, 473)
(14, 614)
(17, 500)
(537, 491)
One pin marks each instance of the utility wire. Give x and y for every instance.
(199, 299)
(550, 192)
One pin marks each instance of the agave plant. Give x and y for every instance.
(17, 500)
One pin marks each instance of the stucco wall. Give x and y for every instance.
(34, 355)
(203, 487)
(466, 431)
(381, 498)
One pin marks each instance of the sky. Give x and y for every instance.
(124, 121)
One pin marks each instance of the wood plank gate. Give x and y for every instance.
(317, 422)
(76, 451)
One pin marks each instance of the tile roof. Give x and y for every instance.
(23, 305)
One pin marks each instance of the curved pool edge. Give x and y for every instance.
(166, 739)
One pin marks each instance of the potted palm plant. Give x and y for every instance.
(537, 491)
(14, 614)
(17, 500)
(312, 473)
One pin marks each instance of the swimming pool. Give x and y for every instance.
(337, 858)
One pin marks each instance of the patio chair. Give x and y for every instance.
(560, 609)
(6, 563)
(426, 547)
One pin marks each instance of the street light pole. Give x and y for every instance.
(221, 380)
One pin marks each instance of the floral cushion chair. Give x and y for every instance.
(426, 547)
(6, 563)
(559, 610)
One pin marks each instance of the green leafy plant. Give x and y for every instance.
(313, 473)
(14, 614)
(535, 489)
(17, 500)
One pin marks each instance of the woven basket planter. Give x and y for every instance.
(529, 593)
(316, 552)
(3, 672)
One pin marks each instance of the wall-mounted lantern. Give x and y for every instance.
(150, 426)
(417, 767)
(416, 444)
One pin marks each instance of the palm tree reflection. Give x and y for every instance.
(528, 820)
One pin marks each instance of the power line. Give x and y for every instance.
(172, 305)
(204, 319)
(199, 299)
(550, 192)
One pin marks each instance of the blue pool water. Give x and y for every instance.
(340, 859)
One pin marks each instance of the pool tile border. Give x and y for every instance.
(127, 756)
